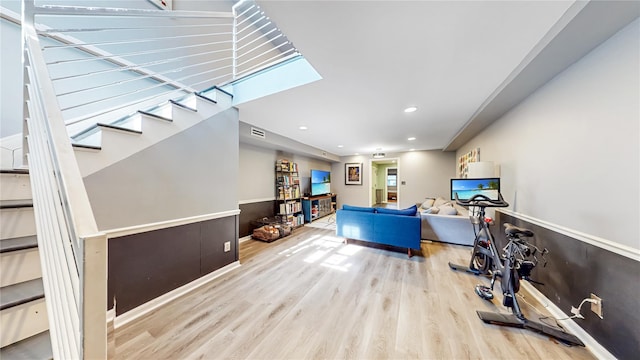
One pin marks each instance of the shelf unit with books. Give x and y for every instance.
(315, 207)
(289, 206)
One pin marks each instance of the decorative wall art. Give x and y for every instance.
(465, 159)
(353, 174)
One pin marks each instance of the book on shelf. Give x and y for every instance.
(286, 165)
(290, 207)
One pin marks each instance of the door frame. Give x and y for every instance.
(396, 164)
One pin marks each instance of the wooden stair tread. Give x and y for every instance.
(182, 106)
(14, 171)
(24, 292)
(83, 146)
(35, 347)
(13, 204)
(20, 243)
(120, 128)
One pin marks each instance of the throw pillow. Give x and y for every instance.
(428, 203)
(357, 208)
(448, 210)
(439, 201)
(431, 210)
(411, 211)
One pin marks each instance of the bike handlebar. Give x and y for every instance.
(482, 201)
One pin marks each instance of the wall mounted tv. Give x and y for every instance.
(320, 182)
(466, 188)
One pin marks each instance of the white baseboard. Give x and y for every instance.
(570, 325)
(149, 306)
(243, 239)
(111, 315)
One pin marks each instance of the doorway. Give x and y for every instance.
(384, 190)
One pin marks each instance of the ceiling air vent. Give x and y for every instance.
(258, 133)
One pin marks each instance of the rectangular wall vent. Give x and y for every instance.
(258, 133)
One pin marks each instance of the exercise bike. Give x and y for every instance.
(515, 263)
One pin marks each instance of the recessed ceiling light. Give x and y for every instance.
(411, 138)
(378, 149)
(412, 149)
(357, 153)
(340, 146)
(410, 109)
(303, 127)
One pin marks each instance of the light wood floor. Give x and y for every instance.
(309, 296)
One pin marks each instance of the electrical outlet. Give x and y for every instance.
(596, 306)
(227, 246)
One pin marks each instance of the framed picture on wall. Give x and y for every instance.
(353, 174)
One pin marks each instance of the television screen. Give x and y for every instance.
(320, 182)
(467, 188)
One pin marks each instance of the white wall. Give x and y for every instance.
(425, 173)
(569, 154)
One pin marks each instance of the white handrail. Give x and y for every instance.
(64, 218)
(73, 251)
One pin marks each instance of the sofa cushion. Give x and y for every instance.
(447, 210)
(358, 208)
(410, 211)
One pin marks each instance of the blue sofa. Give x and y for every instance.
(392, 227)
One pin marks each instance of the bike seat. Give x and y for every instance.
(512, 230)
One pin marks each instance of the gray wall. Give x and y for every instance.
(10, 80)
(256, 182)
(257, 172)
(425, 173)
(570, 154)
(191, 173)
(11, 70)
(569, 158)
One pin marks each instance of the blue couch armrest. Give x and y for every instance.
(356, 225)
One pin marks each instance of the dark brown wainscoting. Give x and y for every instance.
(574, 270)
(253, 211)
(145, 266)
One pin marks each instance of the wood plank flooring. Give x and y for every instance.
(310, 296)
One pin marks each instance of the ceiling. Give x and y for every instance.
(378, 57)
(451, 59)
(463, 64)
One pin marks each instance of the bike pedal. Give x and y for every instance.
(484, 292)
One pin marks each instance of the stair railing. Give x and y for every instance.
(80, 64)
(258, 43)
(73, 251)
(107, 63)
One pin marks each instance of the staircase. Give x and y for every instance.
(80, 91)
(107, 143)
(23, 312)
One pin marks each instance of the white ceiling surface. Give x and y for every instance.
(378, 57)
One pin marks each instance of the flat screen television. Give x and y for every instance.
(467, 188)
(320, 182)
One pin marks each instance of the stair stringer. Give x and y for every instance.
(117, 145)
